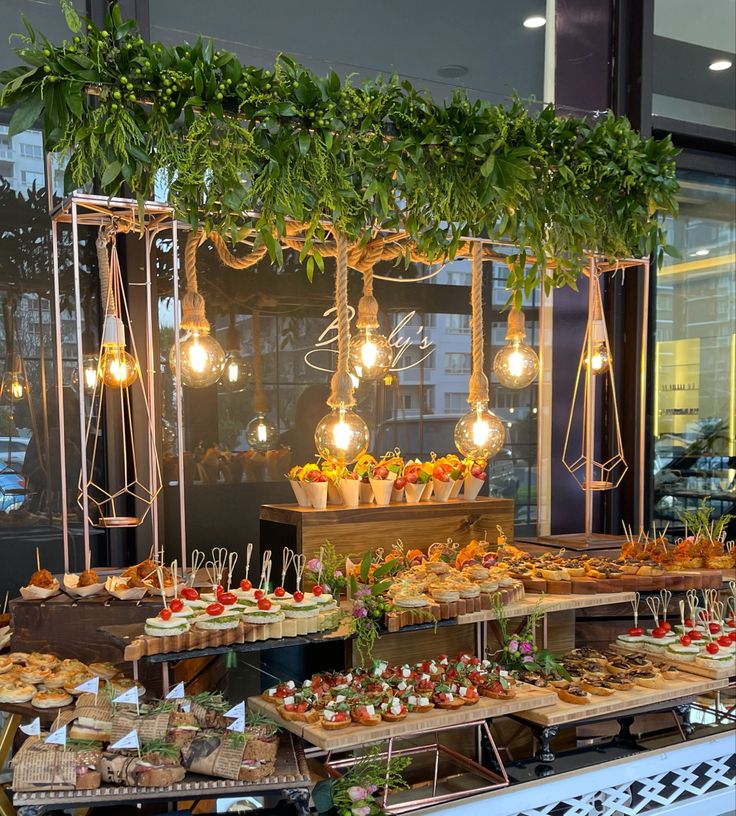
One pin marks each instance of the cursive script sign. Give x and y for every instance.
(402, 337)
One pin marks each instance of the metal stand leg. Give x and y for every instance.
(624, 737)
(682, 717)
(165, 677)
(6, 806)
(544, 736)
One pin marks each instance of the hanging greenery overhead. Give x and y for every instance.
(286, 144)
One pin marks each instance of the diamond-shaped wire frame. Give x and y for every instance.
(110, 505)
(606, 475)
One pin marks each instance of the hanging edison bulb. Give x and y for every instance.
(14, 386)
(202, 357)
(516, 365)
(117, 368)
(371, 354)
(342, 435)
(480, 433)
(89, 373)
(261, 434)
(237, 372)
(601, 360)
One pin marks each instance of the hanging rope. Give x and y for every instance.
(515, 327)
(367, 306)
(260, 400)
(341, 386)
(193, 317)
(106, 236)
(478, 384)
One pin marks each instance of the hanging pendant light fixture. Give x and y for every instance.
(237, 372)
(125, 498)
(202, 357)
(261, 433)
(371, 354)
(342, 434)
(480, 433)
(516, 365)
(13, 386)
(600, 355)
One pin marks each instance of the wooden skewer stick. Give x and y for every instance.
(248, 554)
(5, 604)
(38, 560)
(232, 560)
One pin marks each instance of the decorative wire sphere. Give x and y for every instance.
(516, 365)
(236, 374)
(371, 355)
(117, 368)
(341, 435)
(261, 434)
(480, 433)
(202, 359)
(601, 360)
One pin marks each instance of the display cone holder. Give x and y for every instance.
(317, 494)
(333, 494)
(473, 487)
(349, 491)
(442, 490)
(300, 493)
(414, 492)
(382, 490)
(457, 485)
(428, 490)
(397, 496)
(366, 493)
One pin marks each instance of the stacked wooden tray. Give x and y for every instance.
(674, 581)
(399, 617)
(527, 697)
(722, 672)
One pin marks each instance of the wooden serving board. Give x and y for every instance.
(674, 581)
(618, 703)
(527, 697)
(716, 672)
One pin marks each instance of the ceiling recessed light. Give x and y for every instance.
(700, 253)
(536, 21)
(720, 65)
(452, 71)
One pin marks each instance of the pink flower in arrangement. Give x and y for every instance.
(314, 565)
(363, 810)
(359, 611)
(356, 793)
(326, 588)
(372, 788)
(527, 659)
(338, 573)
(513, 646)
(525, 647)
(362, 592)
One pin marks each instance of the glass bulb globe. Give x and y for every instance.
(89, 372)
(117, 368)
(261, 434)
(13, 386)
(341, 435)
(480, 433)
(516, 365)
(371, 355)
(601, 359)
(236, 374)
(202, 359)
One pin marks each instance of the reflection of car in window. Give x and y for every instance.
(13, 450)
(12, 490)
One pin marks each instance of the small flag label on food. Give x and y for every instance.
(33, 729)
(236, 712)
(129, 696)
(176, 693)
(238, 725)
(130, 740)
(57, 737)
(92, 686)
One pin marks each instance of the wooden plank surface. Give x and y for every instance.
(714, 672)
(618, 703)
(354, 736)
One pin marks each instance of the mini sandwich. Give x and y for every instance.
(298, 708)
(106, 671)
(181, 610)
(597, 687)
(647, 678)
(277, 694)
(265, 611)
(442, 595)
(687, 651)
(324, 600)
(87, 769)
(394, 711)
(468, 693)
(299, 607)
(217, 617)
(155, 769)
(95, 729)
(573, 694)
(165, 624)
(444, 698)
(183, 728)
(419, 703)
(497, 689)
(618, 682)
(255, 770)
(51, 698)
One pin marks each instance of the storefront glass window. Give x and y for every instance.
(695, 363)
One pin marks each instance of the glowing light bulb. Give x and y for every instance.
(13, 385)
(261, 434)
(237, 373)
(601, 359)
(480, 433)
(202, 359)
(117, 368)
(341, 435)
(89, 372)
(516, 365)
(371, 355)
(16, 389)
(232, 370)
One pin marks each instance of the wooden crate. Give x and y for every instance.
(353, 530)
